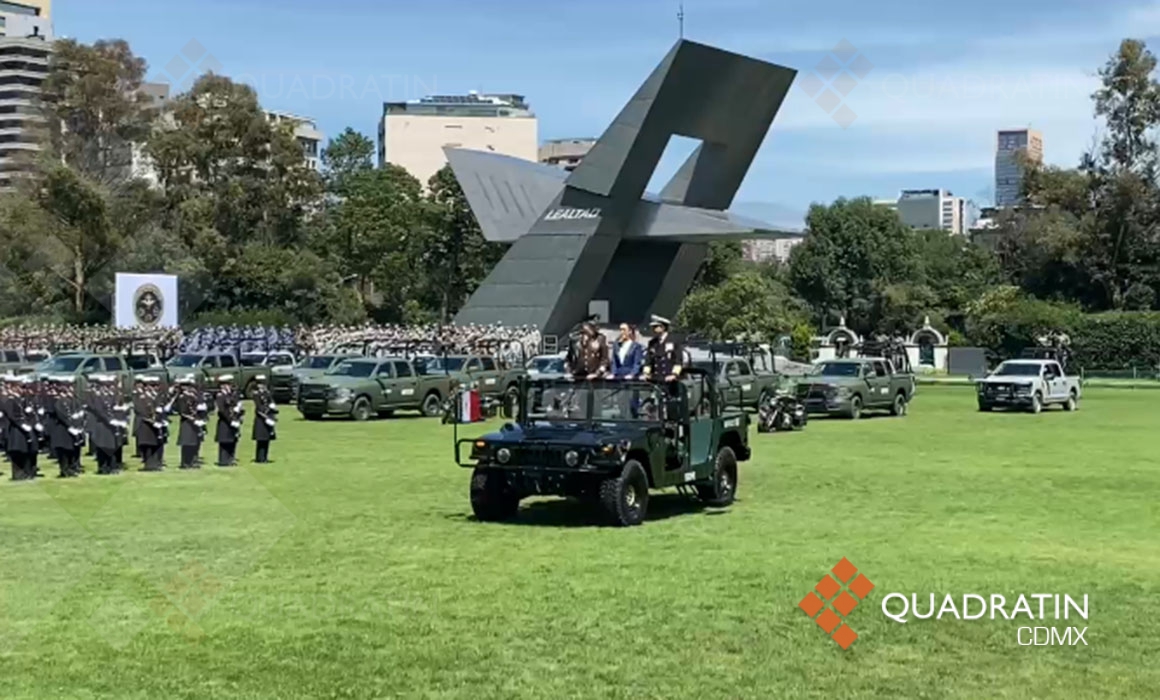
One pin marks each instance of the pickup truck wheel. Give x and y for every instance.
(720, 492)
(766, 396)
(1072, 402)
(491, 499)
(312, 416)
(361, 410)
(1037, 403)
(625, 498)
(855, 411)
(432, 405)
(985, 407)
(511, 400)
(248, 392)
(898, 408)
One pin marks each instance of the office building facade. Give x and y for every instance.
(565, 153)
(413, 134)
(307, 134)
(931, 209)
(1008, 170)
(25, 48)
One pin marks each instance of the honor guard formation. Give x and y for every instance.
(47, 417)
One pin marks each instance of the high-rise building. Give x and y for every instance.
(1008, 171)
(565, 153)
(307, 133)
(413, 134)
(931, 209)
(25, 45)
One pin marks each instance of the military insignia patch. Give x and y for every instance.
(148, 304)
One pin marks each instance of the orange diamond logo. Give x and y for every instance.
(811, 604)
(845, 636)
(843, 597)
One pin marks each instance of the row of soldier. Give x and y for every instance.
(48, 417)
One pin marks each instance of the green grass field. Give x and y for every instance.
(351, 568)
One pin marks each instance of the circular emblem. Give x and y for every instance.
(148, 303)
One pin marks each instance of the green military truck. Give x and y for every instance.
(491, 377)
(279, 366)
(363, 387)
(207, 367)
(609, 443)
(849, 387)
(738, 382)
(312, 367)
(79, 366)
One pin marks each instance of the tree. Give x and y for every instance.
(454, 253)
(348, 154)
(747, 306)
(94, 109)
(853, 250)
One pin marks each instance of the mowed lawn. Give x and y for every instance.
(351, 568)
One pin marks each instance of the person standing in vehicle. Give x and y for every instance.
(628, 355)
(589, 358)
(664, 357)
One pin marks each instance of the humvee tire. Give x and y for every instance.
(625, 498)
(721, 491)
(491, 501)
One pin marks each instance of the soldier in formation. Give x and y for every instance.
(191, 410)
(229, 421)
(265, 420)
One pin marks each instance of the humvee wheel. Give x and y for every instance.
(432, 405)
(898, 408)
(721, 491)
(625, 498)
(491, 500)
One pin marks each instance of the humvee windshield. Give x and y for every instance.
(583, 402)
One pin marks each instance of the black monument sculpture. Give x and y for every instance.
(593, 235)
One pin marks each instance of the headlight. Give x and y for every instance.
(843, 392)
(572, 458)
(340, 394)
(503, 455)
(1023, 389)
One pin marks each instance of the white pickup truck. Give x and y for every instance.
(1028, 384)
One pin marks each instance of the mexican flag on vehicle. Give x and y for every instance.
(469, 406)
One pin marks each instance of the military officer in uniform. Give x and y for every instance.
(102, 424)
(58, 420)
(20, 438)
(590, 357)
(33, 404)
(664, 355)
(265, 420)
(120, 410)
(190, 410)
(75, 426)
(229, 425)
(147, 432)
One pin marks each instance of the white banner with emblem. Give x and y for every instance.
(145, 301)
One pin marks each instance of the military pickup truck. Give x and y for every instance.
(279, 366)
(609, 443)
(848, 387)
(490, 376)
(360, 388)
(18, 361)
(206, 368)
(1030, 385)
(312, 367)
(737, 380)
(79, 366)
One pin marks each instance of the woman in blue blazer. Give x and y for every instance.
(627, 354)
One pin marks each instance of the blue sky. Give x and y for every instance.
(943, 78)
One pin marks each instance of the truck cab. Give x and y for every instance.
(363, 387)
(849, 386)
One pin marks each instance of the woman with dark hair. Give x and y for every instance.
(628, 355)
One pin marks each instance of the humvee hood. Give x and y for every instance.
(565, 433)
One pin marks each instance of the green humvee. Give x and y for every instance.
(847, 387)
(362, 387)
(610, 442)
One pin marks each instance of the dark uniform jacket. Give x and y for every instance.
(264, 416)
(589, 356)
(228, 415)
(19, 439)
(662, 356)
(145, 428)
(58, 422)
(189, 432)
(99, 412)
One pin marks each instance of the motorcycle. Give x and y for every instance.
(781, 413)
